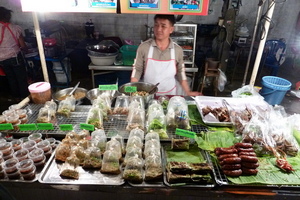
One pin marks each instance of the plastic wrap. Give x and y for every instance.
(138, 99)
(151, 135)
(79, 152)
(114, 145)
(62, 151)
(132, 152)
(153, 168)
(156, 120)
(95, 117)
(46, 115)
(121, 141)
(99, 139)
(137, 132)
(69, 168)
(134, 141)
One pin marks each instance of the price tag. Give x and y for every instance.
(27, 127)
(88, 127)
(108, 87)
(130, 89)
(45, 126)
(6, 127)
(185, 133)
(66, 127)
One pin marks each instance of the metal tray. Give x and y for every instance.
(233, 103)
(50, 175)
(21, 180)
(206, 156)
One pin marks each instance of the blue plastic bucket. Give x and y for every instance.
(274, 89)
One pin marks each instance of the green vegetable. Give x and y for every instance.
(296, 134)
(194, 115)
(246, 93)
(165, 104)
(156, 124)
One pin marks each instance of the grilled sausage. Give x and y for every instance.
(252, 159)
(231, 166)
(250, 165)
(221, 157)
(245, 149)
(232, 160)
(248, 171)
(243, 145)
(247, 153)
(220, 151)
(234, 173)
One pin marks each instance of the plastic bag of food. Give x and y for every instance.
(79, 152)
(246, 91)
(152, 150)
(114, 145)
(93, 158)
(95, 117)
(164, 101)
(132, 152)
(133, 170)
(137, 132)
(136, 119)
(121, 141)
(99, 139)
(138, 99)
(62, 151)
(152, 144)
(46, 115)
(104, 103)
(153, 168)
(152, 135)
(177, 114)
(134, 141)
(83, 134)
(157, 122)
(69, 169)
(84, 143)
(282, 132)
(65, 107)
(121, 105)
(110, 163)
(51, 105)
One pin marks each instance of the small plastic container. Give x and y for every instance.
(5, 148)
(24, 120)
(37, 137)
(8, 112)
(16, 144)
(24, 139)
(16, 125)
(21, 154)
(31, 175)
(46, 147)
(52, 142)
(12, 118)
(10, 166)
(2, 119)
(9, 155)
(41, 163)
(29, 145)
(14, 107)
(40, 92)
(22, 113)
(121, 105)
(26, 166)
(37, 155)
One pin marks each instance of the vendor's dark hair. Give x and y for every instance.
(5, 14)
(171, 18)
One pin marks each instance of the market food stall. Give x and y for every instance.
(118, 146)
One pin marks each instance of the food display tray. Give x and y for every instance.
(206, 156)
(236, 104)
(21, 180)
(50, 175)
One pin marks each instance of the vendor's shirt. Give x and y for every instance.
(142, 57)
(9, 48)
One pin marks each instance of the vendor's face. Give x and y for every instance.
(162, 29)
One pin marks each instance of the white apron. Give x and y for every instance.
(162, 72)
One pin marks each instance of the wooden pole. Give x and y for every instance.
(40, 46)
(262, 43)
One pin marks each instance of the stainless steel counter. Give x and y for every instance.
(98, 70)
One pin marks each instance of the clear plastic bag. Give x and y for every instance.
(151, 135)
(222, 80)
(134, 141)
(114, 145)
(93, 158)
(95, 117)
(46, 115)
(153, 168)
(99, 139)
(122, 105)
(132, 152)
(110, 162)
(137, 132)
(66, 106)
(104, 103)
(246, 91)
(133, 170)
(136, 119)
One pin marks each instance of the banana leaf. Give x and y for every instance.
(194, 115)
(193, 155)
(212, 139)
(269, 174)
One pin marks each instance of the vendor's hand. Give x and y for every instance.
(194, 93)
